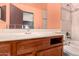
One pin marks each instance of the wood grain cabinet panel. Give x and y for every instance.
(5, 49)
(27, 46)
(27, 54)
(56, 51)
(45, 42)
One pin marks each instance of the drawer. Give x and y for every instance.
(29, 43)
(27, 46)
(45, 43)
(56, 51)
(5, 49)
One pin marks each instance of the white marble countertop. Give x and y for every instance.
(20, 36)
(13, 34)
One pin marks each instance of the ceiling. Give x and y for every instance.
(71, 6)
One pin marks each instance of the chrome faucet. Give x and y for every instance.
(68, 35)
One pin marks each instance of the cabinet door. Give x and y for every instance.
(56, 51)
(25, 47)
(5, 49)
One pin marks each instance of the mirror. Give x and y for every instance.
(22, 18)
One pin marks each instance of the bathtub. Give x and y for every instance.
(71, 48)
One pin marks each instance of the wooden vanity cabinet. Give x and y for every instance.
(47, 46)
(5, 49)
(53, 46)
(27, 46)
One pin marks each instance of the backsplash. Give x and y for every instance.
(25, 30)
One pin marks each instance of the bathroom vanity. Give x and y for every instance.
(41, 46)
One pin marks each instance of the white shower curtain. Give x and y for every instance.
(75, 25)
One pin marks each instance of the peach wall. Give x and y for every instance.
(54, 15)
(41, 6)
